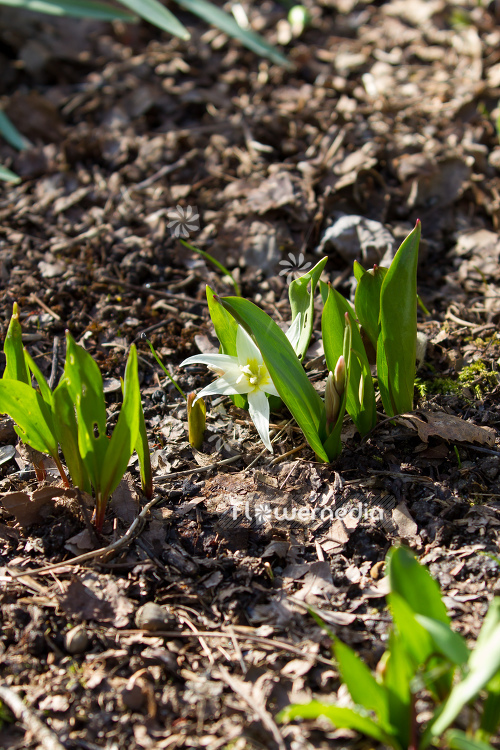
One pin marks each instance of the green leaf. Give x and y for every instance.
(29, 411)
(9, 131)
(363, 413)
(362, 686)
(285, 370)
(367, 301)
(7, 176)
(417, 641)
(142, 450)
(333, 443)
(15, 368)
(43, 386)
(73, 8)
(84, 383)
(484, 663)
(358, 270)
(490, 718)
(457, 740)
(225, 329)
(490, 624)
(342, 718)
(66, 429)
(398, 328)
(226, 23)
(398, 675)
(302, 303)
(125, 434)
(415, 584)
(448, 643)
(158, 15)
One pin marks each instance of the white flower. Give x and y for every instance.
(245, 374)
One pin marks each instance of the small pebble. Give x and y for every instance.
(153, 617)
(76, 640)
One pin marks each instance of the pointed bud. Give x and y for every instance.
(339, 376)
(332, 401)
(196, 412)
(361, 391)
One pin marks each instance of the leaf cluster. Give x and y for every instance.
(423, 653)
(73, 416)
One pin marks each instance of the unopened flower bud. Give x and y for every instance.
(339, 375)
(196, 413)
(332, 401)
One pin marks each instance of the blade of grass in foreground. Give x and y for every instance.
(73, 8)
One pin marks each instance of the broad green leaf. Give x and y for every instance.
(367, 301)
(66, 429)
(302, 303)
(196, 414)
(484, 663)
(225, 325)
(73, 8)
(490, 624)
(33, 419)
(358, 270)
(158, 15)
(398, 675)
(225, 329)
(7, 176)
(142, 450)
(398, 327)
(362, 686)
(363, 413)
(226, 23)
(342, 718)
(9, 131)
(448, 643)
(286, 372)
(126, 432)
(415, 584)
(490, 719)
(457, 740)
(417, 641)
(15, 367)
(84, 383)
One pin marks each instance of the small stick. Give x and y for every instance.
(37, 301)
(55, 358)
(47, 738)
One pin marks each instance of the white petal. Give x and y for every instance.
(246, 348)
(293, 333)
(271, 389)
(224, 387)
(221, 361)
(258, 407)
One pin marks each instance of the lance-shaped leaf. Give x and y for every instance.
(123, 439)
(84, 383)
(362, 685)
(15, 368)
(342, 718)
(415, 584)
(367, 301)
(360, 392)
(34, 423)
(66, 429)
(302, 303)
(225, 329)
(285, 370)
(396, 345)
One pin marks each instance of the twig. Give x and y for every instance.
(37, 301)
(151, 290)
(47, 738)
(197, 469)
(166, 169)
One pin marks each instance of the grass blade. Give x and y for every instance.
(73, 8)
(226, 23)
(158, 15)
(9, 131)
(7, 176)
(216, 263)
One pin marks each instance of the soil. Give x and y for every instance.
(389, 114)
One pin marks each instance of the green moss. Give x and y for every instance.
(468, 377)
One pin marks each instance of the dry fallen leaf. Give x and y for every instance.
(27, 506)
(449, 427)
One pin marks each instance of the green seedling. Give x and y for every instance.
(74, 417)
(423, 651)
